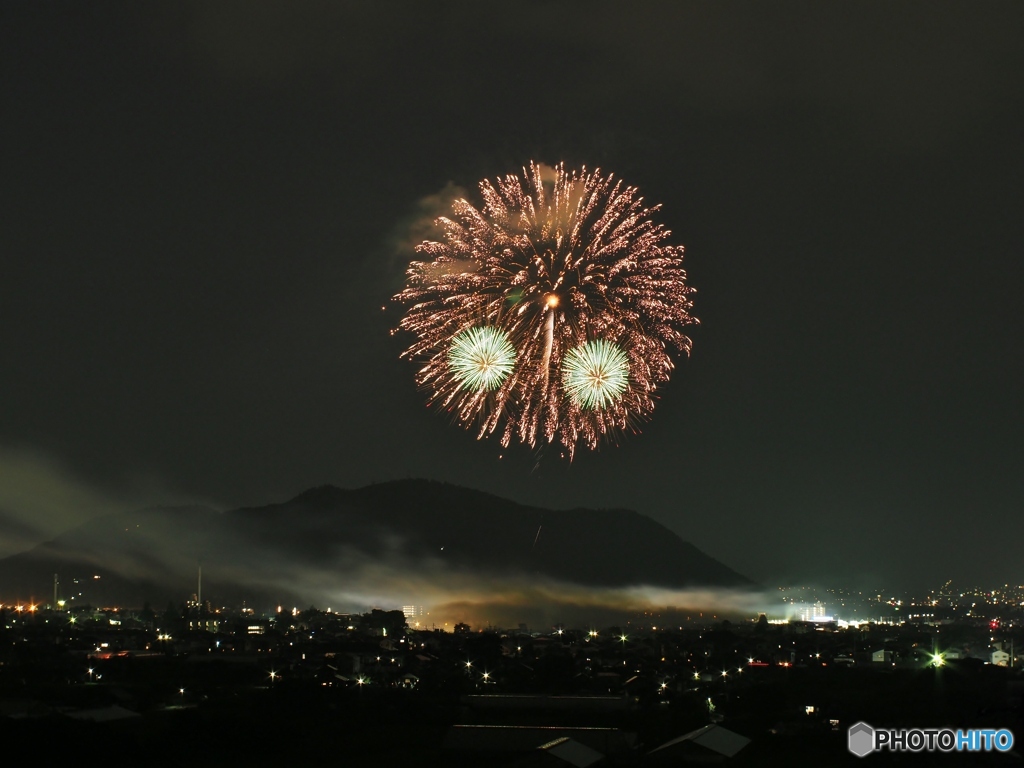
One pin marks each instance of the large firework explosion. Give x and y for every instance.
(549, 314)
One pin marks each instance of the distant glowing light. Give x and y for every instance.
(481, 358)
(596, 374)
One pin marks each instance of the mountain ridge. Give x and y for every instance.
(330, 540)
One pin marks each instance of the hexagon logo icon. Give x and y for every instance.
(860, 739)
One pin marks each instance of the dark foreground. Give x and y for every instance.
(385, 702)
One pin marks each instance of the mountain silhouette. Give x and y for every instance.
(331, 541)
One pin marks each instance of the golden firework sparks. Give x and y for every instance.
(550, 267)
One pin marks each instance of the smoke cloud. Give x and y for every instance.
(358, 582)
(41, 497)
(419, 224)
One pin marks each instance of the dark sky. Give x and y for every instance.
(205, 206)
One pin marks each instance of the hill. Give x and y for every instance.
(411, 540)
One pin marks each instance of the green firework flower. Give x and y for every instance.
(481, 358)
(596, 374)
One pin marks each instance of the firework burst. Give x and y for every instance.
(596, 374)
(568, 270)
(481, 358)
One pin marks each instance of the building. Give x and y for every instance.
(710, 744)
(813, 612)
(413, 613)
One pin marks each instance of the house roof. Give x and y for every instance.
(523, 738)
(572, 752)
(713, 737)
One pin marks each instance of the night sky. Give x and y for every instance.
(206, 205)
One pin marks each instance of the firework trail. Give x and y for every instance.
(549, 314)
